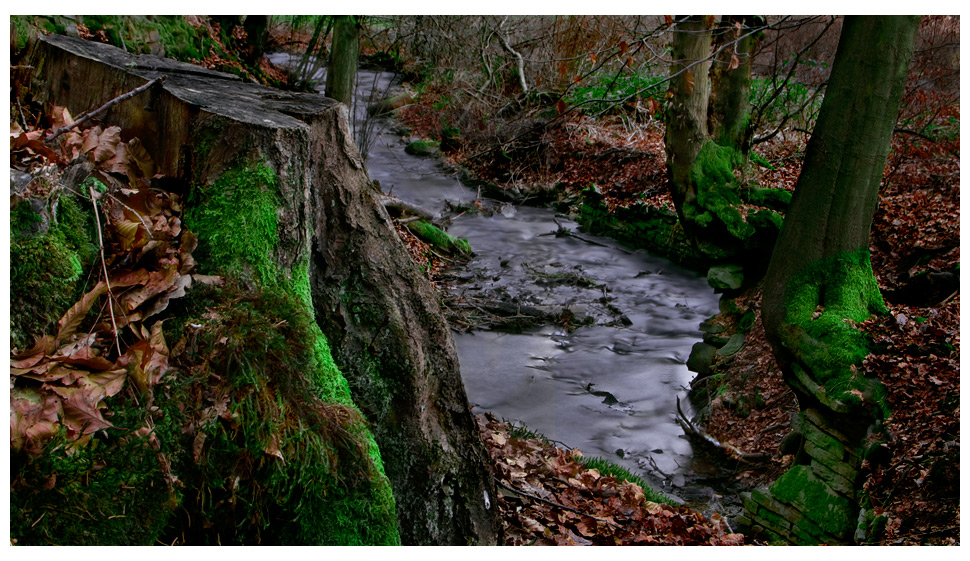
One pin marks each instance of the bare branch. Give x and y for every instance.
(104, 108)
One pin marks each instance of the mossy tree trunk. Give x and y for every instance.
(392, 343)
(820, 282)
(729, 111)
(821, 261)
(280, 199)
(343, 60)
(707, 119)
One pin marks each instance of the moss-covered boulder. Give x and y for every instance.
(423, 148)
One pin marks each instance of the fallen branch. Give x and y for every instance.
(404, 206)
(694, 431)
(555, 504)
(104, 108)
(104, 267)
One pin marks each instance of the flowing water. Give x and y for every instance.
(609, 389)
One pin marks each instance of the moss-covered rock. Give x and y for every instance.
(49, 252)
(830, 511)
(641, 226)
(725, 277)
(438, 237)
(424, 148)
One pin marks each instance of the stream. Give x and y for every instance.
(609, 388)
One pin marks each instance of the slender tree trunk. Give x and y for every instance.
(687, 113)
(343, 60)
(729, 113)
(257, 34)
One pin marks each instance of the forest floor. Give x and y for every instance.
(915, 256)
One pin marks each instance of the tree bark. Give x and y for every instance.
(836, 194)
(379, 314)
(820, 283)
(343, 60)
(730, 109)
(392, 343)
(687, 114)
(257, 35)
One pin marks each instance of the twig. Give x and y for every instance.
(104, 107)
(691, 430)
(144, 222)
(104, 266)
(555, 504)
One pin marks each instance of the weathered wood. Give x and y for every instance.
(399, 359)
(392, 342)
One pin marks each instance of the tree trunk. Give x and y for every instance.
(257, 34)
(706, 142)
(730, 109)
(291, 153)
(394, 346)
(687, 113)
(820, 282)
(827, 227)
(343, 60)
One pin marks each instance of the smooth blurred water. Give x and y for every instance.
(609, 391)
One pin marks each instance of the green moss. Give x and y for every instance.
(304, 471)
(138, 34)
(315, 486)
(822, 303)
(47, 267)
(641, 226)
(438, 237)
(777, 199)
(799, 487)
(605, 467)
(101, 493)
(717, 190)
(235, 219)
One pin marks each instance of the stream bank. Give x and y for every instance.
(597, 360)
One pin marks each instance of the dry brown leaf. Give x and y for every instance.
(107, 146)
(140, 159)
(72, 319)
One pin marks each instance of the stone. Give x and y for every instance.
(732, 346)
(715, 339)
(725, 277)
(701, 358)
(834, 480)
(422, 148)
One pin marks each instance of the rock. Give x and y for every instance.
(732, 346)
(725, 277)
(715, 339)
(701, 358)
(19, 181)
(423, 148)
(390, 104)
